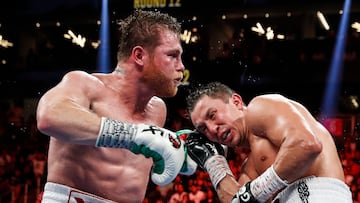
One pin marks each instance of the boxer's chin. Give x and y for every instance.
(171, 94)
(169, 91)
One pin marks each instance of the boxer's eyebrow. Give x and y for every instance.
(201, 126)
(175, 52)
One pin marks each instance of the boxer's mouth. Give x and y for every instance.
(225, 135)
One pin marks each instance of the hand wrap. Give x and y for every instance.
(260, 189)
(267, 184)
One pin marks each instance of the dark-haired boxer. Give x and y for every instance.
(292, 156)
(106, 136)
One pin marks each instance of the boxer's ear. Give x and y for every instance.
(237, 100)
(137, 54)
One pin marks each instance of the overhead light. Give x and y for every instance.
(323, 20)
(356, 26)
(189, 37)
(259, 29)
(269, 33)
(95, 44)
(5, 43)
(79, 40)
(280, 36)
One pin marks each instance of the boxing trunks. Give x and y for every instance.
(315, 190)
(57, 193)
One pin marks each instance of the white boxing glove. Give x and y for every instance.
(189, 167)
(163, 146)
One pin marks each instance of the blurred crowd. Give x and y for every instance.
(23, 159)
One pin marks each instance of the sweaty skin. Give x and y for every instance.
(278, 131)
(71, 112)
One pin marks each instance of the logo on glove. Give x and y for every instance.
(174, 140)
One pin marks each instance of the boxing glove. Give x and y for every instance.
(200, 148)
(244, 195)
(189, 166)
(209, 156)
(163, 146)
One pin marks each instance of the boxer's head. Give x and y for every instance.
(143, 28)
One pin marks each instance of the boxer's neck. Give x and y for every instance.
(118, 69)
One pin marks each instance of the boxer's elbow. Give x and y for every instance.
(42, 123)
(44, 120)
(313, 146)
(306, 143)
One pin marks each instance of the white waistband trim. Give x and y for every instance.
(54, 193)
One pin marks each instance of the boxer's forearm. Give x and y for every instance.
(226, 189)
(68, 123)
(295, 157)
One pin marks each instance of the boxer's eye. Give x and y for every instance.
(212, 115)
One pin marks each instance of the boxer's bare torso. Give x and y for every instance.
(115, 174)
(263, 151)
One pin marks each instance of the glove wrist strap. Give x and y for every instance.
(218, 168)
(264, 186)
(244, 195)
(115, 134)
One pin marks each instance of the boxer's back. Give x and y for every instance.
(328, 163)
